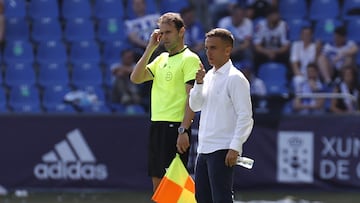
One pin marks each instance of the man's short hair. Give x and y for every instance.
(223, 34)
(170, 18)
(341, 30)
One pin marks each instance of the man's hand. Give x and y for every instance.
(155, 39)
(231, 157)
(183, 143)
(200, 74)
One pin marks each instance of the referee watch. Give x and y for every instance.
(182, 130)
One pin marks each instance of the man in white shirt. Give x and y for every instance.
(242, 29)
(337, 55)
(303, 52)
(271, 43)
(223, 97)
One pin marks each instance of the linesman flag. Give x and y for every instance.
(176, 186)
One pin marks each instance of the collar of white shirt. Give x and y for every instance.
(224, 68)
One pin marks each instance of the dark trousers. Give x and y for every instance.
(213, 179)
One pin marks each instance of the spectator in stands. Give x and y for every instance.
(302, 53)
(271, 41)
(140, 28)
(340, 53)
(256, 9)
(257, 86)
(312, 84)
(347, 86)
(194, 33)
(242, 29)
(123, 90)
(219, 9)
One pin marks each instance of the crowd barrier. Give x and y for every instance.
(110, 152)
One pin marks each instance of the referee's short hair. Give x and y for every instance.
(171, 17)
(223, 34)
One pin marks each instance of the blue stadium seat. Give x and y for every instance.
(50, 74)
(51, 52)
(86, 74)
(324, 29)
(108, 77)
(353, 30)
(118, 108)
(3, 101)
(18, 74)
(61, 109)
(349, 9)
(53, 98)
(15, 8)
(293, 9)
(150, 8)
(75, 9)
(78, 29)
(324, 9)
(173, 5)
(46, 29)
(111, 29)
(108, 9)
(19, 51)
(134, 109)
(43, 9)
(274, 77)
(84, 52)
(100, 106)
(24, 99)
(295, 27)
(112, 50)
(16, 29)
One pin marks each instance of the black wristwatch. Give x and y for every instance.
(182, 130)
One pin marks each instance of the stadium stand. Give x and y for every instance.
(71, 9)
(43, 9)
(24, 99)
(3, 102)
(51, 52)
(18, 51)
(108, 9)
(293, 9)
(324, 9)
(17, 28)
(74, 42)
(18, 74)
(150, 8)
(324, 29)
(46, 29)
(84, 52)
(15, 8)
(86, 74)
(79, 29)
(350, 9)
(353, 30)
(110, 29)
(274, 77)
(53, 74)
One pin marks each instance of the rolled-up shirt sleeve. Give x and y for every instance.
(196, 97)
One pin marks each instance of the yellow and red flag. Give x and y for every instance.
(176, 186)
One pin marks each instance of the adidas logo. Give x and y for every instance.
(71, 159)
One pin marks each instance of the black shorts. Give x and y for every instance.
(162, 147)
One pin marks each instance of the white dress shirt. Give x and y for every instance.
(302, 54)
(226, 112)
